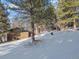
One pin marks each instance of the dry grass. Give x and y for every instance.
(23, 35)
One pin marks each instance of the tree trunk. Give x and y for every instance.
(74, 24)
(33, 32)
(1, 39)
(38, 29)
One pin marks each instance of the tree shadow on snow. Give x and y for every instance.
(34, 43)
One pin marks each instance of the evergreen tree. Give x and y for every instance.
(67, 10)
(39, 12)
(4, 24)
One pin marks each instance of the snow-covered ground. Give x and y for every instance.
(61, 45)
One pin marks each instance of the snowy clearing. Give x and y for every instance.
(61, 45)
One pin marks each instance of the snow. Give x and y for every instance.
(61, 45)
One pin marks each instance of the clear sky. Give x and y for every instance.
(13, 13)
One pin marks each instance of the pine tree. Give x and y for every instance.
(39, 12)
(4, 24)
(67, 10)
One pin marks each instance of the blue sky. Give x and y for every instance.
(13, 14)
(54, 1)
